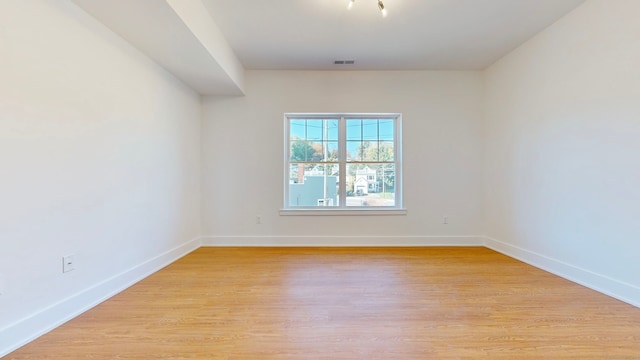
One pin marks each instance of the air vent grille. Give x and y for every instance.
(344, 62)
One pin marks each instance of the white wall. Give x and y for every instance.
(562, 148)
(243, 156)
(99, 157)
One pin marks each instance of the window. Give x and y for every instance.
(342, 162)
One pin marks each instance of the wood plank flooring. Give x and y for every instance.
(348, 303)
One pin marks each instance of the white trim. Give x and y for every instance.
(601, 283)
(342, 162)
(342, 241)
(341, 212)
(41, 322)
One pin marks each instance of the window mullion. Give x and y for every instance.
(397, 160)
(287, 159)
(342, 158)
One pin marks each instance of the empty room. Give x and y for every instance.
(319, 179)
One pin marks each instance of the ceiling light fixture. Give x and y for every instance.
(383, 11)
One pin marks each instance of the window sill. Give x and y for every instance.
(342, 212)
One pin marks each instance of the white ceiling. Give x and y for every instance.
(209, 43)
(416, 35)
(177, 34)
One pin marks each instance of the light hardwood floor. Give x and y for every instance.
(348, 303)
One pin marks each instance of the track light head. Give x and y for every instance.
(382, 9)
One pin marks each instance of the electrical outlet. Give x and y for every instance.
(445, 220)
(68, 263)
(258, 219)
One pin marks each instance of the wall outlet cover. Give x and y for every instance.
(68, 263)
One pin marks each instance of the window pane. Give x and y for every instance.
(370, 151)
(354, 150)
(370, 140)
(297, 130)
(314, 129)
(386, 151)
(370, 130)
(313, 185)
(301, 151)
(318, 152)
(313, 151)
(371, 185)
(386, 130)
(354, 130)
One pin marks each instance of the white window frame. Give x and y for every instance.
(342, 209)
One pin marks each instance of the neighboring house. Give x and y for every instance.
(365, 181)
(310, 191)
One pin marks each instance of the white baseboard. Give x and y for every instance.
(598, 282)
(342, 241)
(27, 329)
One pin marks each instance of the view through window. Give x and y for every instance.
(342, 161)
